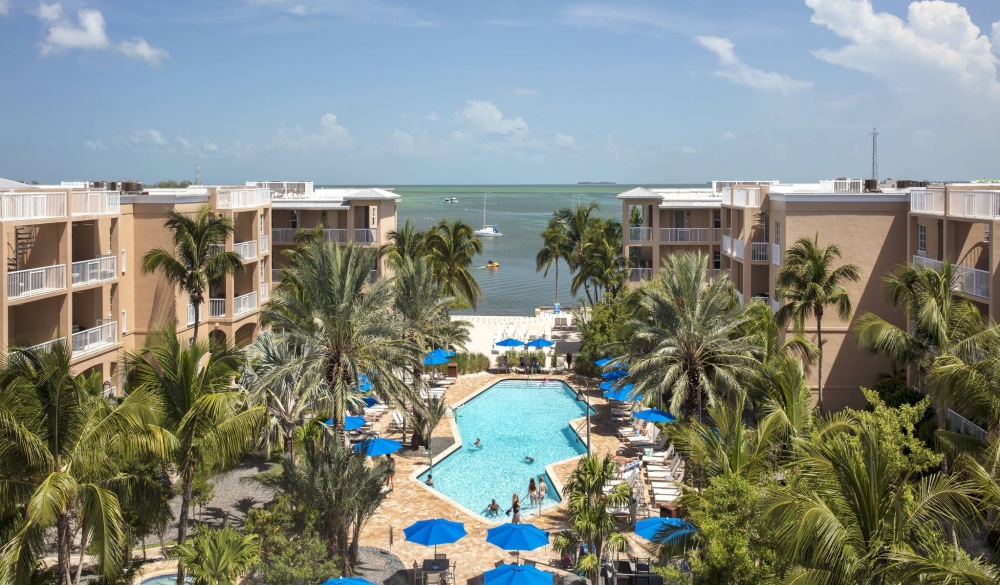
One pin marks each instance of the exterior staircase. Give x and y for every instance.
(24, 240)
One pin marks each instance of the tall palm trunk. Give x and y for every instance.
(63, 535)
(557, 280)
(289, 442)
(182, 518)
(819, 344)
(197, 313)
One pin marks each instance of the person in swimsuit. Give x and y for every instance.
(543, 489)
(493, 509)
(515, 506)
(532, 490)
(477, 443)
(392, 471)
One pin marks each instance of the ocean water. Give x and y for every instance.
(512, 418)
(521, 211)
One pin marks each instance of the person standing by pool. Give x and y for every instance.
(543, 489)
(515, 507)
(392, 471)
(569, 360)
(532, 491)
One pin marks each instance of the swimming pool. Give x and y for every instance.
(512, 419)
(166, 580)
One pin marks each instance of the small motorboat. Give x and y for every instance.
(492, 264)
(451, 200)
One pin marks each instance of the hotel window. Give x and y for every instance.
(295, 219)
(922, 240)
(262, 271)
(716, 260)
(260, 221)
(717, 218)
(777, 232)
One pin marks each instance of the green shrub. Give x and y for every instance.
(470, 363)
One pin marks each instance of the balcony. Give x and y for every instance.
(96, 338)
(364, 235)
(275, 275)
(969, 280)
(684, 235)
(716, 234)
(246, 250)
(727, 244)
(242, 198)
(216, 308)
(36, 281)
(739, 296)
(264, 243)
(640, 274)
(17, 206)
(974, 204)
(775, 305)
(931, 202)
(94, 271)
(265, 292)
(741, 197)
(776, 254)
(759, 251)
(761, 299)
(716, 273)
(640, 234)
(48, 345)
(738, 249)
(244, 304)
(959, 424)
(96, 203)
(287, 235)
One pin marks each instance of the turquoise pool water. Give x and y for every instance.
(512, 418)
(166, 580)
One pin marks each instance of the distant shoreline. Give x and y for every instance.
(597, 183)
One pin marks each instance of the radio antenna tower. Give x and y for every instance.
(874, 134)
(197, 174)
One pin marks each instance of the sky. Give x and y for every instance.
(384, 92)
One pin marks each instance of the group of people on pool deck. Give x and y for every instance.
(536, 495)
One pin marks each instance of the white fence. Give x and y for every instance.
(95, 338)
(969, 280)
(959, 424)
(683, 235)
(741, 197)
(48, 345)
(92, 271)
(97, 203)
(246, 250)
(244, 304)
(15, 206)
(242, 198)
(758, 251)
(974, 204)
(36, 281)
(929, 201)
(216, 307)
(640, 234)
(364, 235)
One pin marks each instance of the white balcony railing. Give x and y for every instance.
(244, 304)
(246, 250)
(738, 249)
(716, 234)
(739, 296)
(242, 198)
(741, 197)
(929, 201)
(95, 338)
(48, 345)
(974, 204)
(640, 274)
(640, 234)
(759, 251)
(264, 243)
(727, 244)
(775, 305)
(97, 203)
(265, 292)
(216, 308)
(959, 424)
(364, 235)
(93, 271)
(776, 254)
(969, 280)
(372, 276)
(761, 298)
(32, 205)
(716, 273)
(190, 315)
(275, 275)
(36, 281)
(287, 235)
(684, 235)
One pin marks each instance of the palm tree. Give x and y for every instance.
(555, 244)
(203, 411)
(219, 556)
(342, 326)
(604, 267)
(809, 283)
(196, 262)
(276, 378)
(451, 247)
(590, 521)
(406, 243)
(578, 223)
(689, 340)
(853, 517)
(62, 465)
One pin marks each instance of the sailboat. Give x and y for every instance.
(487, 230)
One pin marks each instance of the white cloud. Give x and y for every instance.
(487, 117)
(507, 23)
(330, 133)
(367, 11)
(4, 7)
(565, 141)
(525, 92)
(937, 40)
(689, 149)
(139, 49)
(995, 37)
(211, 147)
(94, 145)
(432, 117)
(729, 135)
(402, 143)
(62, 35)
(733, 69)
(622, 18)
(147, 137)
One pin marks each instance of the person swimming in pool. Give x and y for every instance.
(529, 459)
(477, 443)
(494, 508)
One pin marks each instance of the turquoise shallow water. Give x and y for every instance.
(166, 580)
(512, 418)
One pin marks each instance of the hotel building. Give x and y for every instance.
(105, 305)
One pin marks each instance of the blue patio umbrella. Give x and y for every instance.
(442, 352)
(603, 362)
(517, 537)
(607, 386)
(517, 575)
(655, 415)
(375, 447)
(434, 532)
(614, 375)
(435, 359)
(347, 581)
(622, 394)
(363, 386)
(353, 423)
(540, 342)
(664, 530)
(510, 342)
(369, 401)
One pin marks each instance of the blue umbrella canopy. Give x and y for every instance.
(540, 342)
(622, 394)
(664, 530)
(347, 581)
(655, 415)
(435, 359)
(517, 575)
(434, 531)
(370, 400)
(375, 447)
(603, 362)
(442, 352)
(517, 536)
(351, 423)
(510, 342)
(607, 386)
(614, 375)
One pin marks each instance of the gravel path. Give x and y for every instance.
(380, 566)
(233, 496)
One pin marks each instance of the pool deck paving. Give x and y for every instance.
(411, 500)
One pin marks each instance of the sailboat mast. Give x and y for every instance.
(484, 208)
